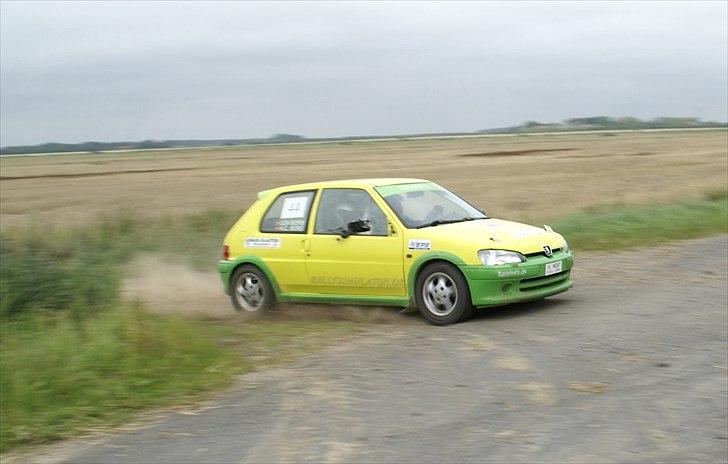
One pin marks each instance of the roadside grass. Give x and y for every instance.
(80, 269)
(73, 356)
(61, 375)
(646, 225)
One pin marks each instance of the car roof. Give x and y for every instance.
(344, 183)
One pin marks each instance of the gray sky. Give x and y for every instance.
(109, 71)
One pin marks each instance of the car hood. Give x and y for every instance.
(494, 234)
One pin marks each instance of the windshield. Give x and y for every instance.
(426, 204)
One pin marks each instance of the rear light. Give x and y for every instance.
(225, 252)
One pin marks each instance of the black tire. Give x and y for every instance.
(256, 296)
(442, 294)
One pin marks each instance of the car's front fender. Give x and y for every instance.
(425, 258)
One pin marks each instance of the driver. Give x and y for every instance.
(395, 202)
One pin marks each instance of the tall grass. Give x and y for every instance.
(74, 356)
(633, 226)
(60, 374)
(80, 269)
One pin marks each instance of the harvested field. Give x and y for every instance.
(526, 176)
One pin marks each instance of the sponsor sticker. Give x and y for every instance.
(260, 242)
(415, 244)
(512, 273)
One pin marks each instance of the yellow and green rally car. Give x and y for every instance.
(387, 242)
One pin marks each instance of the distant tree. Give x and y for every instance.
(286, 138)
(675, 122)
(629, 122)
(534, 124)
(590, 121)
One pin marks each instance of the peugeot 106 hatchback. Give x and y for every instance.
(387, 242)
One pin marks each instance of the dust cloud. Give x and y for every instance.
(166, 286)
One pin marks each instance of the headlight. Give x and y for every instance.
(495, 257)
(565, 248)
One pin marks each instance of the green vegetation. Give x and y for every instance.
(74, 356)
(61, 375)
(93, 147)
(73, 269)
(605, 123)
(649, 225)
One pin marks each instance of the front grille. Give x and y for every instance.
(537, 283)
(541, 253)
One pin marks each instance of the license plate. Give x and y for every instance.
(553, 268)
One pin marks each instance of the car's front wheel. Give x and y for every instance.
(442, 294)
(250, 290)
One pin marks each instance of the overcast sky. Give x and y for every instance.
(111, 71)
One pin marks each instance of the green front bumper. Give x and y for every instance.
(511, 283)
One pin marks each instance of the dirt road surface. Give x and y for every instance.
(629, 366)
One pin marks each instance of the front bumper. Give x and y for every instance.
(512, 283)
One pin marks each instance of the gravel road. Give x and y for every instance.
(628, 366)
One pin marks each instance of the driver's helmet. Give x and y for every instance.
(345, 212)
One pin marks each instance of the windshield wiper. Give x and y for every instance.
(437, 222)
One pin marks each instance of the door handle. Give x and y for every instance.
(306, 246)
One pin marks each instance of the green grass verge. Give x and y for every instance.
(61, 375)
(648, 225)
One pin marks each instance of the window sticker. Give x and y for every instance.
(290, 225)
(294, 207)
(415, 244)
(261, 242)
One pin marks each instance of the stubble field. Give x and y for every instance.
(526, 177)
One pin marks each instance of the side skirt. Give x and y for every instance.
(399, 301)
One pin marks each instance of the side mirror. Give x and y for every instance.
(355, 227)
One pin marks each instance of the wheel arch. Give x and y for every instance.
(257, 262)
(429, 258)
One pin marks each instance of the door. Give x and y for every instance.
(365, 263)
(282, 239)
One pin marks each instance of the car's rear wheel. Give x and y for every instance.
(250, 290)
(442, 294)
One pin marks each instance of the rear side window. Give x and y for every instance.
(289, 213)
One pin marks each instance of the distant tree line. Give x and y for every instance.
(143, 145)
(572, 124)
(605, 123)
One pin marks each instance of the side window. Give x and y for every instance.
(339, 207)
(289, 213)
